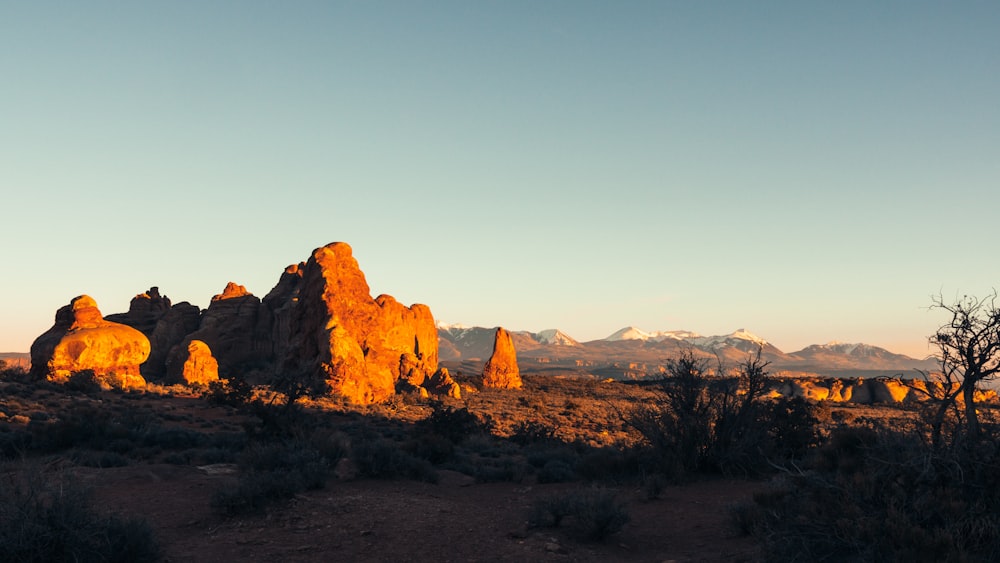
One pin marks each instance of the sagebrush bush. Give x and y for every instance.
(455, 424)
(55, 522)
(384, 459)
(883, 495)
(272, 471)
(592, 514)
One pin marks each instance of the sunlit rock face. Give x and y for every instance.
(81, 340)
(881, 391)
(192, 364)
(441, 383)
(501, 369)
(325, 322)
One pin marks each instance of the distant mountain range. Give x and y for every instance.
(634, 353)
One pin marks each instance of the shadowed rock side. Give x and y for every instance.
(192, 365)
(362, 346)
(501, 369)
(144, 311)
(165, 326)
(82, 340)
(230, 327)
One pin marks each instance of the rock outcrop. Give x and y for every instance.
(326, 323)
(879, 391)
(171, 330)
(144, 311)
(81, 340)
(165, 326)
(230, 327)
(319, 320)
(501, 369)
(441, 383)
(192, 364)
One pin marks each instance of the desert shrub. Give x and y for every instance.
(548, 512)
(455, 424)
(527, 432)
(593, 514)
(91, 458)
(173, 438)
(433, 447)
(272, 471)
(11, 373)
(745, 517)
(44, 522)
(793, 427)
(13, 443)
(883, 495)
(253, 492)
(91, 427)
(84, 381)
(500, 470)
(720, 424)
(234, 392)
(609, 464)
(556, 471)
(384, 459)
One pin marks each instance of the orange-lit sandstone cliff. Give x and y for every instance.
(81, 340)
(501, 369)
(326, 323)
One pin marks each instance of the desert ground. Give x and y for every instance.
(411, 479)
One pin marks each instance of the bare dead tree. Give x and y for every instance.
(941, 390)
(968, 351)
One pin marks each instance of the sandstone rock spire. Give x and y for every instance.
(501, 369)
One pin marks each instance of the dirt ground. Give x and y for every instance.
(454, 520)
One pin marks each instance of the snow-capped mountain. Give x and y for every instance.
(847, 355)
(741, 339)
(632, 333)
(631, 352)
(555, 337)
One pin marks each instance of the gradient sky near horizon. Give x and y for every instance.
(809, 171)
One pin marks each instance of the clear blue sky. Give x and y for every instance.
(809, 171)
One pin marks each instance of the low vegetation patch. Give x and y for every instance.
(44, 518)
(593, 514)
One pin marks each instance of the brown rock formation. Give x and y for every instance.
(324, 321)
(230, 327)
(173, 327)
(81, 340)
(441, 383)
(164, 325)
(144, 311)
(192, 364)
(501, 369)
